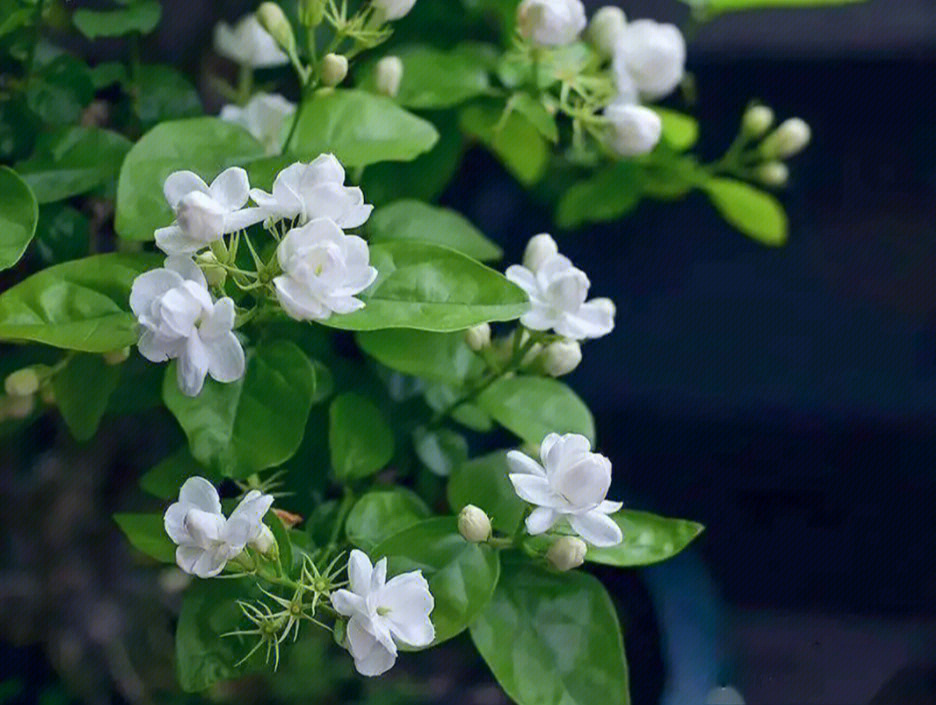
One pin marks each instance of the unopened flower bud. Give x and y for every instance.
(606, 29)
(560, 358)
(274, 21)
(473, 524)
(18, 407)
(116, 357)
(757, 120)
(790, 138)
(393, 9)
(566, 553)
(773, 174)
(334, 69)
(22, 383)
(264, 543)
(311, 12)
(539, 249)
(633, 130)
(478, 337)
(215, 274)
(389, 75)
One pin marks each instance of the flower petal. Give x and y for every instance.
(149, 286)
(534, 489)
(609, 507)
(174, 523)
(370, 657)
(541, 520)
(409, 601)
(180, 184)
(173, 241)
(192, 367)
(226, 361)
(521, 463)
(219, 321)
(201, 494)
(596, 528)
(360, 570)
(187, 269)
(230, 189)
(245, 521)
(585, 482)
(243, 219)
(522, 277)
(347, 603)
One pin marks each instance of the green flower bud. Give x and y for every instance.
(566, 553)
(773, 174)
(473, 524)
(388, 76)
(790, 138)
(265, 543)
(22, 383)
(334, 69)
(214, 273)
(272, 19)
(606, 29)
(757, 120)
(311, 12)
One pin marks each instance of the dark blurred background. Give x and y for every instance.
(785, 398)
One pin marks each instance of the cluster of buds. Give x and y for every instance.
(787, 140)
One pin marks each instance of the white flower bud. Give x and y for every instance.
(334, 69)
(116, 357)
(606, 28)
(560, 358)
(773, 174)
(394, 9)
(388, 76)
(650, 59)
(215, 274)
(264, 542)
(539, 249)
(790, 138)
(632, 129)
(473, 524)
(22, 383)
(757, 120)
(311, 12)
(478, 337)
(271, 17)
(566, 553)
(551, 22)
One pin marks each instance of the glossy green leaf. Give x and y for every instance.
(483, 482)
(63, 233)
(607, 195)
(60, 90)
(82, 390)
(359, 437)
(441, 450)
(648, 539)
(19, 214)
(141, 16)
(441, 397)
(72, 161)
(444, 357)
(165, 94)
(535, 112)
(253, 424)
(680, 131)
(534, 407)
(415, 220)
(432, 288)
(165, 478)
(147, 534)
(462, 575)
(206, 145)
(380, 514)
(516, 142)
(553, 638)
(360, 129)
(755, 213)
(82, 305)
(435, 79)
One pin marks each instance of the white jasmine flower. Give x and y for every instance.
(205, 213)
(383, 613)
(323, 270)
(652, 56)
(394, 9)
(557, 292)
(248, 44)
(263, 117)
(180, 322)
(606, 29)
(206, 540)
(560, 358)
(315, 190)
(567, 553)
(633, 130)
(572, 483)
(551, 22)
(388, 75)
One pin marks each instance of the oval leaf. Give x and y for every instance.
(648, 539)
(432, 288)
(81, 305)
(680, 131)
(360, 440)
(483, 482)
(534, 407)
(462, 575)
(205, 145)
(19, 214)
(755, 213)
(142, 16)
(82, 390)
(553, 639)
(380, 514)
(442, 357)
(253, 424)
(147, 534)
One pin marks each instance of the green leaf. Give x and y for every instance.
(680, 131)
(63, 233)
(441, 450)
(82, 390)
(380, 514)
(82, 305)
(443, 357)
(415, 220)
(19, 214)
(553, 639)
(535, 112)
(435, 79)
(755, 213)
(534, 407)
(165, 478)
(205, 145)
(142, 16)
(60, 91)
(432, 288)
(147, 534)
(203, 656)
(648, 539)
(359, 437)
(516, 142)
(72, 161)
(441, 396)
(360, 129)
(165, 94)
(483, 482)
(462, 575)
(606, 196)
(253, 424)
(713, 7)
